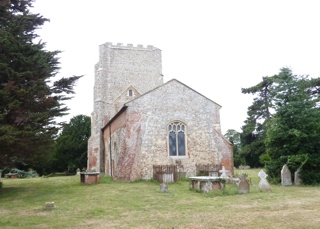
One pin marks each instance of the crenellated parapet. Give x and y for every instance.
(128, 46)
(120, 68)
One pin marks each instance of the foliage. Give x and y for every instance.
(310, 170)
(283, 124)
(30, 99)
(25, 174)
(259, 113)
(234, 137)
(70, 151)
(264, 158)
(293, 133)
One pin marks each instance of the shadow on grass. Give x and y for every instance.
(11, 191)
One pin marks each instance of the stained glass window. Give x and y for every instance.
(176, 135)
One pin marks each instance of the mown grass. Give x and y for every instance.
(142, 205)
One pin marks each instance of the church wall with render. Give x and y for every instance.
(128, 143)
(139, 137)
(119, 69)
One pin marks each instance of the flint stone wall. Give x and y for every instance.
(119, 69)
(139, 135)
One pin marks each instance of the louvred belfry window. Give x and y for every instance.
(176, 135)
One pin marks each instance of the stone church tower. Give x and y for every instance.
(122, 74)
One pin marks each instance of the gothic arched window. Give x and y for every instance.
(177, 139)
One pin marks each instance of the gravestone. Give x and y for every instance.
(244, 167)
(263, 184)
(286, 179)
(297, 178)
(163, 187)
(49, 205)
(207, 187)
(243, 186)
(213, 174)
(223, 172)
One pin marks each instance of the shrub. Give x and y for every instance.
(25, 174)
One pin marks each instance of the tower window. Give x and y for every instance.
(130, 92)
(176, 138)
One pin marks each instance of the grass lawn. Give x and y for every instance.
(142, 205)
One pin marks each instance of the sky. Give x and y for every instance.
(214, 47)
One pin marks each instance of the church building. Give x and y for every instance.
(139, 121)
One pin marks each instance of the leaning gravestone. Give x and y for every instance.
(163, 187)
(297, 178)
(243, 186)
(263, 184)
(286, 179)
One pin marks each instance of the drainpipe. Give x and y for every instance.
(110, 162)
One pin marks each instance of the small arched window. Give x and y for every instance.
(130, 92)
(176, 138)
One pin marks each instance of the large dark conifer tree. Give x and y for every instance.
(30, 98)
(283, 125)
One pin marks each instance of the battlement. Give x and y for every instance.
(128, 46)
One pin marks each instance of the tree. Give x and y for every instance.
(259, 113)
(30, 99)
(283, 125)
(70, 151)
(293, 134)
(234, 137)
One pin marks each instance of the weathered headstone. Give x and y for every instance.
(244, 167)
(286, 179)
(163, 187)
(297, 178)
(213, 174)
(207, 187)
(263, 184)
(243, 186)
(49, 205)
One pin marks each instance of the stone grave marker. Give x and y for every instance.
(286, 179)
(163, 187)
(244, 167)
(223, 172)
(263, 184)
(207, 187)
(49, 205)
(243, 186)
(297, 178)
